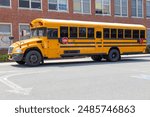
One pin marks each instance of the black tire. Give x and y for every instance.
(96, 58)
(33, 58)
(114, 55)
(20, 62)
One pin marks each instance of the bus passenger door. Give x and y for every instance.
(53, 43)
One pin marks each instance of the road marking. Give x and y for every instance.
(15, 88)
(142, 76)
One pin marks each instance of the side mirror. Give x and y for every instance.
(11, 38)
(23, 33)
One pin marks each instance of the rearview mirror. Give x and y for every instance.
(11, 38)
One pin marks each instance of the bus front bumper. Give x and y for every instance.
(16, 57)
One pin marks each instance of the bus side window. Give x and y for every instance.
(52, 33)
(63, 31)
(142, 34)
(73, 32)
(128, 33)
(136, 34)
(91, 33)
(98, 34)
(120, 33)
(106, 33)
(82, 32)
(113, 33)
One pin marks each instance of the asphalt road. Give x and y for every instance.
(77, 79)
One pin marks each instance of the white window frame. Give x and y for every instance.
(82, 9)
(3, 23)
(58, 10)
(19, 27)
(30, 6)
(102, 8)
(121, 9)
(137, 10)
(146, 11)
(7, 6)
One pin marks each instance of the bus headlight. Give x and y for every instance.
(18, 50)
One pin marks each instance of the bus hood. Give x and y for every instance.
(24, 42)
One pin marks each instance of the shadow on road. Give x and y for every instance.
(84, 63)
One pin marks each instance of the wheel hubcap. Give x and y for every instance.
(33, 58)
(114, 55)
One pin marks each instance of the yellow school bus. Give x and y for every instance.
(54, 39)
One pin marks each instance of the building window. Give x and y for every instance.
(26, 28)
(4, 3)
(58, 5)
(82, 6)
(148, 8)
(102, 7)
(5, 33)
(121, 7)
(31, 4)
(137, 8)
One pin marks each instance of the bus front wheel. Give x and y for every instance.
(96, 58)
(114, 55)
(33, 58)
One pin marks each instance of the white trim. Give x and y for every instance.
(10, 26)
(147, 17)
(122, 10)
(137, 2)
(103, 8)
(90, 13)
(6, 34)
(23, 8)
(7, 6)
(58, 10)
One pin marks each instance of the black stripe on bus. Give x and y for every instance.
(123, 45)
(77, 46)
(81, 42)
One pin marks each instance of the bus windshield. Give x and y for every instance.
(38, 32)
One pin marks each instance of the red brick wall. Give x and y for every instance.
(15, 16)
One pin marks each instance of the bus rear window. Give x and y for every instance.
(142, 34)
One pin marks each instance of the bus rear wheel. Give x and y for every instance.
(96, 58)
(114, 55)
(33, 58)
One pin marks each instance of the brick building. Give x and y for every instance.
(15, 15)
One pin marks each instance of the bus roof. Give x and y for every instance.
(88, 23)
